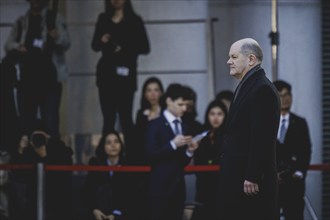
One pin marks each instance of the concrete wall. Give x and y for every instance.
(178, 52)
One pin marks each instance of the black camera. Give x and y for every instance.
(38, 139)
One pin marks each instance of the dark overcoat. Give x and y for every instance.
(249, 152)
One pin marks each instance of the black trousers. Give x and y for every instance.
(46, 101)
(115, 101)
(291, 194)
(166, 207)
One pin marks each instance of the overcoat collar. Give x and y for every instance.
(244, 91)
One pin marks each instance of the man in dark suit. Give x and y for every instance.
(248, 184)
(169, 149)
(293, 153)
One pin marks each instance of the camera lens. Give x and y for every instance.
(38, 140)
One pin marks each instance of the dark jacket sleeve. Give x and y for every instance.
(89, 187)
(158, 150)
(100, 30)
(264, 125)
(141, 45)
(155, 150)
(303, 148)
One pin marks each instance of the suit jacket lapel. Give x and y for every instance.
(167, 125)
(292, 121)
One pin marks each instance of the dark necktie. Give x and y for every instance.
(176, 127)
(282, 131)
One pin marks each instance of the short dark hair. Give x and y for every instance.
(175, 91)
(225, 94)
(280, 85)
(193, 97)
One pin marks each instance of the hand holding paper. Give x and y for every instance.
(200, 136)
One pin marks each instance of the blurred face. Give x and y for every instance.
(286, 99)
(24, 142)
(118, 4)
(153, 93)
(216, 117)
(190, 105)
(37, 5)
(238, 63)
(177, 107)
(112, 145)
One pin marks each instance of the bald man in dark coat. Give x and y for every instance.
(248, 187)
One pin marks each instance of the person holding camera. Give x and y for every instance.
(40, 147)
(293, 151)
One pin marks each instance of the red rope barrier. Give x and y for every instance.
(97, 168)
(16, 166)
(191, 168)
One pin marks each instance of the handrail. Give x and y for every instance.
(310, 209)
(190, 168)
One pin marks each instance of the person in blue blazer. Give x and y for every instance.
(169, 148)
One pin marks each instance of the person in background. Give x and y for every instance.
(190, 115)
(107, 193)
(169, 148)
(9, 127)
(40, 147)
(209, 153)
(150, 108)
(121, 37)
(38, 41)
(225, 96)
(293, 151)
(248, 186)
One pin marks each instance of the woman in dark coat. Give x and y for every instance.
(150, 108)
(107, 192)
(209, 153)
(121, 36)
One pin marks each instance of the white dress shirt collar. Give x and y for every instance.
(170, 117)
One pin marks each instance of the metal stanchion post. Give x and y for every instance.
(40, 191)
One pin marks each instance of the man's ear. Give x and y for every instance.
(252, 59)
(168, 101)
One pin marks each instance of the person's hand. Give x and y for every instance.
(22, 49)
(192, 146)
(297, 175)
(111, 217)
(23, 143)
(279, 178)
(250, 188)
(181, 140)
(53, 33)
(99, 215)
(105, 38)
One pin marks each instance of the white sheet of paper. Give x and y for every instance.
(200, 136)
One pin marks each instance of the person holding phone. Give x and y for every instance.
(169, 148)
